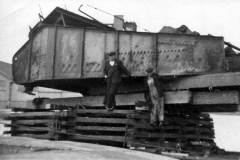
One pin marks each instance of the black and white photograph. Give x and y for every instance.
(119, 80)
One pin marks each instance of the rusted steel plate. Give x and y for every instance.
(39, 55)
(182, 54)
(137, 52)
(69, 44)
(21, 64)
(97, 44)
(42, 55)
(70, 53)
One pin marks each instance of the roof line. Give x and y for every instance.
(5, 75)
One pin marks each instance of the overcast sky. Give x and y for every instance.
(217, 17)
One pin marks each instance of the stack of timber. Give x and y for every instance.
(180, 132)
(3, 128)
(97, 125)
(123, 127)
(38, 123)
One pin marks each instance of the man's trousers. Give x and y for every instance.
(157, 110)
(111, 90)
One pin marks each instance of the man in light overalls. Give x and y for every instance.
(154, 94)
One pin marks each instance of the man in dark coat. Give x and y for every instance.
(154, 94)
(112, 72)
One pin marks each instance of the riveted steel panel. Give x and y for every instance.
(39, 55)
(182, 54)
(137, 52)
(97, 44)
(69, 53)
(21, 64)
(69, 43)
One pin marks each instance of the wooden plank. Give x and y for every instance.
(198, 129)
(38, 136)
(124, 99)
(100, 128)
(169, 117)
(217, 108)
(178, 97)
(104, 111)
(31, 114)
(218, 97)
(32, 129)
(98, 138)
(121, 99)
(173, 97)
(205, 81)
(101, 120)
(170, 135)
(194, 136)
(32, 122)
(147, 126)
(156, 135)
(186, 122)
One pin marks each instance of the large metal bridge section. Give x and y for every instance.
(55, 53)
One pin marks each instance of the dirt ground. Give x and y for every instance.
(18, 148)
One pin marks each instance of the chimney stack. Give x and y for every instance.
(118, 22)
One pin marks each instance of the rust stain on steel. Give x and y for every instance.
(97, 44)
(178, 55)
(21, 64)
(137, 52)
(40, 55)
(68, 53)
(81, 53)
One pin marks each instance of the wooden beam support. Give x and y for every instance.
(205, 81)
(31, 114)
(31, 129)
(98, 138)
(219, 97)
(40, 136)
(103, 111)
(101, 120)
(173, 97)
(100, 128)
(32, 122)
(36, 115)
(176, 97)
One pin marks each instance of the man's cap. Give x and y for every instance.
(149, 70)
(112, 53)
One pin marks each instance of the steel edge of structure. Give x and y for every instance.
(117, 47)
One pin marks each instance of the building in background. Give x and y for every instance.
(12, 95)
(5, 83)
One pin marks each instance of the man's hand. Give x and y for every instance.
(105, 76)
